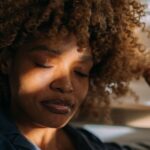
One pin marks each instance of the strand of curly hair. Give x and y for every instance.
(107, 25)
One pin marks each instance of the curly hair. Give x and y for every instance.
(106, 25)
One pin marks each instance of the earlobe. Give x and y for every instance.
(5, 62)
(4, 67)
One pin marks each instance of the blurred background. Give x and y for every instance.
(126, 110)
(130, 118)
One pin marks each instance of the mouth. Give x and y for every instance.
(58, 106)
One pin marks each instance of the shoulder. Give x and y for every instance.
(96, 142)
(88, 140)
(5, 128)
(10, 136)
(90, 136)
(83, 139)
(5, 143)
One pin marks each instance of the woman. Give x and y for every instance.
(57, 58)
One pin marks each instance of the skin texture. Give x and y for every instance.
(47, 71)
(103, 28)
(107, 26)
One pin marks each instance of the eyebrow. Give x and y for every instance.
(45, 48)
(56, 52)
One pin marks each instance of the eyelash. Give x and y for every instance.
(82, 74)
(42, 65)
(77, 72)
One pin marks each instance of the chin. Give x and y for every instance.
(53, 122)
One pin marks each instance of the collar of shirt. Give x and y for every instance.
(9, 130)
(80, 138)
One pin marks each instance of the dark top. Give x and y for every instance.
(12, 139)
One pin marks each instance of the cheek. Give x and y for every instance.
(82, 90)
(32, 81)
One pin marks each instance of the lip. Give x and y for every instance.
(58, 106)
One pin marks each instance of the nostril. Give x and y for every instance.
(60, 90)
(65, 89)
(62, 87)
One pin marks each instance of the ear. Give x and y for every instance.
(5, 61)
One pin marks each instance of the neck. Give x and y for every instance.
(43, 137)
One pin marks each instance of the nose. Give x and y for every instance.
(62, 85)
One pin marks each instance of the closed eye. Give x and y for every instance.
(42, 65)
(81, 74)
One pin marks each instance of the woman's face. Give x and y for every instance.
(49, 80)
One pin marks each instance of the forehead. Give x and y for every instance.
(58, 45)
